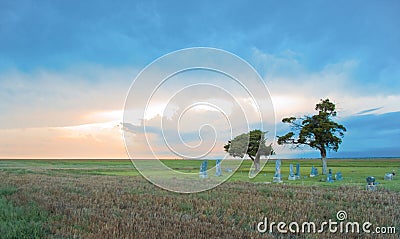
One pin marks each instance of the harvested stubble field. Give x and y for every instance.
(98, 206)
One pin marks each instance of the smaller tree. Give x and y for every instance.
(252, 144)
(317, 131)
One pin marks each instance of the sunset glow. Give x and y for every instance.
(65, 75)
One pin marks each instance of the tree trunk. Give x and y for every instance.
(324, 165)
(257, 162)
(324, 161)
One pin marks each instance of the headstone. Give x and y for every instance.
(388, 176)
(291, 173)
(203, 169)
(339, 176)
(277, 176)
(329, 178)
(371, 184)
(228, 170)
(218, 171)
(297, 175)
(370, 180)
(314, 172)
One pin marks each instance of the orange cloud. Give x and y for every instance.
(85, 141)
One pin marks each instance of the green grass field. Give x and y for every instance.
(354, 170)
(110, 199)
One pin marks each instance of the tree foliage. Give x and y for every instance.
(252, 144)
(318, 131)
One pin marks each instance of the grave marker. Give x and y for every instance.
(371, 184)
(297, 175)
(338, 176)
(329, 178)
(203, 169)
(388, 176)
(314, 172)
(218, 171)
(228, 170)
(277, 176)
(291, 173)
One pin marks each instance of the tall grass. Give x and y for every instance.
(26, 221)
(96, 206)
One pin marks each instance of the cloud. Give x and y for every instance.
(63, 114)
(295, 90)
(368, 111)
(84, 141)
(193, 134)
(78, 71)
(51, 106)
(371, 134)
(46, 98)
(368, 135)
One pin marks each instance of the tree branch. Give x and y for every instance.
(252, 158)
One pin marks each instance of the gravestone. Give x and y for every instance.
(218, 171)
(228, 170)
(291, 173)
(277, 176)
(329, 178)
(203, 169)
(371, 184)
(297, 175)
(338, 176)
(388, 176)
(314, 172)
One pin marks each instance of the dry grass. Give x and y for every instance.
(85, 206)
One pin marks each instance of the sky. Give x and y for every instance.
(66, 68)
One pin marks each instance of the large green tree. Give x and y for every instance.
(252, 144)
(318, 131)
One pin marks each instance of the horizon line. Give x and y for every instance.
(103, 159)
